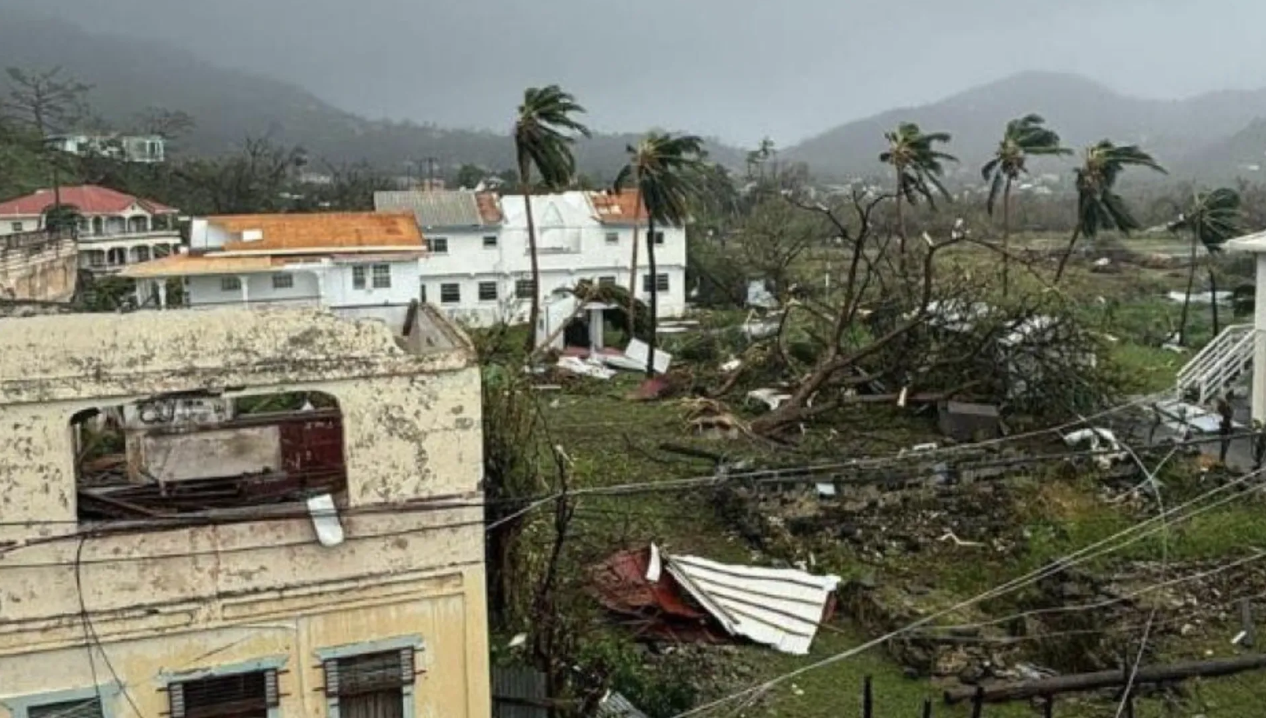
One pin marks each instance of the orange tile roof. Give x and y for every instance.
(617, 207)
(489, 207)
(320, 231)
(188, 265)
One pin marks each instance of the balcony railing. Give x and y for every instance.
(89, 236)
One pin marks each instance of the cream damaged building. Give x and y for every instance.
(239, 512)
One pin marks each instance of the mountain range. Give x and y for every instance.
(130, 75)
(1209, 136)
(1216, 135)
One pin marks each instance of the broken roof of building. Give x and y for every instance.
(87, 199)
(191, 265)
(621, 207)
(267, 243)
(318, 231)
(111, 355)
(442, 208)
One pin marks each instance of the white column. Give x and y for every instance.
(161, 283)
(1259, 342)
(244, 281)
(596, 328)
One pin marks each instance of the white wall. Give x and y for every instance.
(208, 290)
(330, 284)
(572, 246)
(340, 292)
(28, 223)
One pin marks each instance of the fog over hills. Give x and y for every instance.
(1215, 135)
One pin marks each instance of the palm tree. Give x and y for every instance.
(667, 171)
(1098, 204)
(1212, 218)
(1023, 137)
(543, 135)
(918, 167)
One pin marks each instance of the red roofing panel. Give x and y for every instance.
(87, 199)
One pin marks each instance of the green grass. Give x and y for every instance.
(612, 440)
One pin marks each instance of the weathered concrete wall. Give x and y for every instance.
(443, 610)
(39, 268)
(179, 599)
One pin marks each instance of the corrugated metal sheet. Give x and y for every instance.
(518, 692)
(615, 705)
(433, 209)
(772, 606)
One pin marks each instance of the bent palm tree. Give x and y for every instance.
(1212, 218)
(543, 136)
(1098, 204)
(667, 170)
(1023, 137)
(918, 166)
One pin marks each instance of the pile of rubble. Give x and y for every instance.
(1070, 622)
(877, 522)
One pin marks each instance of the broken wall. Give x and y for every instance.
(38, 266)
(160, 597)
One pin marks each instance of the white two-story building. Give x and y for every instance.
(357, 264)
(115, 229)
(478, 268)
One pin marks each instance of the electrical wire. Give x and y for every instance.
(91, 637)
(778, 475)
(798, 475)
(1083, 555)
(1151, 617)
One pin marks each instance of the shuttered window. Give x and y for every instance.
(450, 293)
(661, 282)
(370, 685)
(250, 694)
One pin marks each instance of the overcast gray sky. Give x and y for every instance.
(736, 69)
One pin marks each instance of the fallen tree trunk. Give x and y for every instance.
(1004, 692)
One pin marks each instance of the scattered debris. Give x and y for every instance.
(780, 607)
(325, 520)
(1222, 297)
(615, 705)
(770, 397)
(656, 609)
(1097, 439)
(961, 543)
(588, 367)
(692, 599)
(650, 389)
(759, 296)
(968, 421)
(634, 358)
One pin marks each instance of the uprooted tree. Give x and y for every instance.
(917, 326)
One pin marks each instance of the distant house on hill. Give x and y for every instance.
(128, 148)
